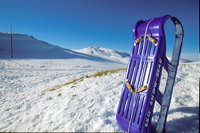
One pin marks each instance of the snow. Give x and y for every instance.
(106, 54)
(25, 108)
(191, 56)
(181, 60)
(88, 105)
(183, 115)
(28, 47)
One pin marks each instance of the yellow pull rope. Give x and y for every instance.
(128, 85)
(151, 39)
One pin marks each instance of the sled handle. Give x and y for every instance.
(151, 39)
(128, 85)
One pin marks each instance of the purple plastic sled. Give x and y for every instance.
(141, 87)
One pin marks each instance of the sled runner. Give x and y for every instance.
(141, 87)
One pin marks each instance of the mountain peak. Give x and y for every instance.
(105, 53)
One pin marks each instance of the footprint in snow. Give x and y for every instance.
(107, 121)
(108, 114)
(49, 98)
(184, 100)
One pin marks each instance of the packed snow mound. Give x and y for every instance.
(106, 53)
(28, 47)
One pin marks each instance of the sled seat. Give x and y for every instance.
(140, 89)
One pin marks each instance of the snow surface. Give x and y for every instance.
(106, 54)
(88, 105)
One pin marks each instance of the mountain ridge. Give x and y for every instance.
(105, 53)
(29, 47)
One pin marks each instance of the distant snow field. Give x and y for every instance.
(88, 105)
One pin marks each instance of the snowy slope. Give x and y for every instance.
(116, 56)
(181, 60)
(25, 46)
(28, 47)
(106, 53)
(194, 57)
(88, 105)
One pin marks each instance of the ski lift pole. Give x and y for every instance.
(11, 46)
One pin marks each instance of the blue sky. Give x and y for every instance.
(77, 24)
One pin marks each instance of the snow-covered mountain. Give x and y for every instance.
(114, 55)
(28, 47)
(25, 46)
(181, 60)
(106, 53)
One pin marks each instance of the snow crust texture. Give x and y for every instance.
(89, 105)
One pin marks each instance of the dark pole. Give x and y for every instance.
(11, 47)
